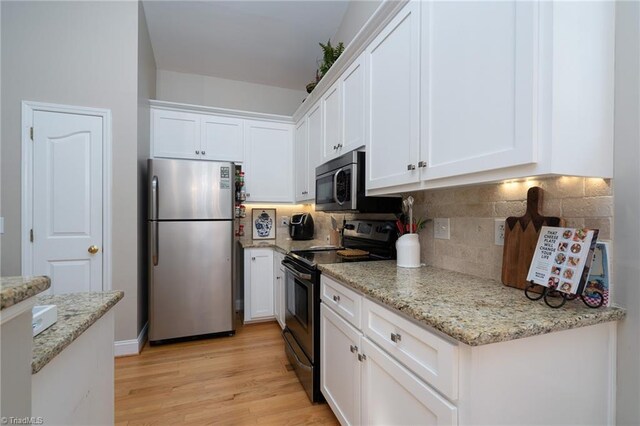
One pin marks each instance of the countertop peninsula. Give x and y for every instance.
(14, 290)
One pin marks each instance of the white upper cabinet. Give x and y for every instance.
(353, 89)
(332, 126)
(222, 138)
(477, 88)
(308, 153)
(268, 161)
(392, 106)
(301, 163)
(175, 134)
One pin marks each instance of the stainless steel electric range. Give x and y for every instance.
(375, 240)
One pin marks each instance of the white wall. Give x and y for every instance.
(146, 91)
(85, 54)
(627, 208)
(219, 92)
(357, 14)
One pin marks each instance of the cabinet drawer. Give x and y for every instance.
(347, 303)
(430, 357)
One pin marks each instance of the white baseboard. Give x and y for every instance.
(133, 346)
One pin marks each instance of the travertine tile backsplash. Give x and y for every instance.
(472, 211)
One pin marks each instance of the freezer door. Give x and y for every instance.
(190, 189)
(191, 285)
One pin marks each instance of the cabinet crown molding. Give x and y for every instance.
(235, 113)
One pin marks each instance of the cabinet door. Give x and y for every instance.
(268, 161)
(339, 366)
(259, 289)
(175, 134)
(332, 115)
(301, 162)
(278, 283)
(222, 139)
(391, 394)
(314, 130)
(352, 87)
(478, 70)
(392, 108)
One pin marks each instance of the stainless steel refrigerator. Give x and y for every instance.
(191, 248)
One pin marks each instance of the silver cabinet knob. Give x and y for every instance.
(422, 164)
(353, 349)
(253, 258)
(335, 147)
(336, 298)
(395, 337)
(248, 195)
(411, 166)
(339, 145)
(362, 357)
(202, 152)
(197, 152)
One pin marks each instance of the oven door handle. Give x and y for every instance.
(295, 273)
(335, 187)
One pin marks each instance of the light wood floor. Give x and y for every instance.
(244, 379)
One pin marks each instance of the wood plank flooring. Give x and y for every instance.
(239, 380)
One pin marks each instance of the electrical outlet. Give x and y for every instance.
(441, 229)
(284, 220)
(499, 232)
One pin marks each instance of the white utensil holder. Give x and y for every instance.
(408, 250)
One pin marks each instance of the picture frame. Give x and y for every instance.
(263, 224)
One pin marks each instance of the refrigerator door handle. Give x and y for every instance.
(154, 198)
(154, 243)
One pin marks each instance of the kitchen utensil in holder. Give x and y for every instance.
(408, 251)
(556, 299)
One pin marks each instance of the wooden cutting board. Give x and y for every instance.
(520, 239)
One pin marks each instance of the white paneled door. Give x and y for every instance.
(67, 200)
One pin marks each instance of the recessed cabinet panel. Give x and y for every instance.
(258, 285)
(301, 163)
(268, 161)
(175, 134)
(331, 109)
(353, 89)
(222, 138)
(477, 86)
(393, 101)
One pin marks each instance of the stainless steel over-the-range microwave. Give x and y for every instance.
(340, 186)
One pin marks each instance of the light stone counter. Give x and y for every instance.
(472, 310)
(14, 290)
(284, 246)
(76, 313)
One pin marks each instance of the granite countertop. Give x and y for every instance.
(14, 290)
(76, 313)
(472, 310)
(282, 245)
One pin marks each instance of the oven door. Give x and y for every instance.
(336, 190)
(299, 312)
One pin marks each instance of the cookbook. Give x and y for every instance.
(563, 258)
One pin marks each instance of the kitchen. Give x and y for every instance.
(470, 192)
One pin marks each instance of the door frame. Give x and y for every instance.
(28, 108)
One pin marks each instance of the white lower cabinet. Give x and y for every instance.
(278, 283)
(393, 395)
(363, 384)
(258, 284)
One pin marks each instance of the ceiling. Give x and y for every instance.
(265, 42)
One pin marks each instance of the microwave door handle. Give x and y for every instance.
(335, 188)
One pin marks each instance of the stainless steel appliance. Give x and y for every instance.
(302, 293)
(301, 226)
(340, 186)
(191, 248)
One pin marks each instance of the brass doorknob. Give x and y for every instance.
(93, 249)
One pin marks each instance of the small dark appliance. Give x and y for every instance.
(302, 293)
(301, 227)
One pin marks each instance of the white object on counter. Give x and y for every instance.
(408, 249)
(44, 316)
